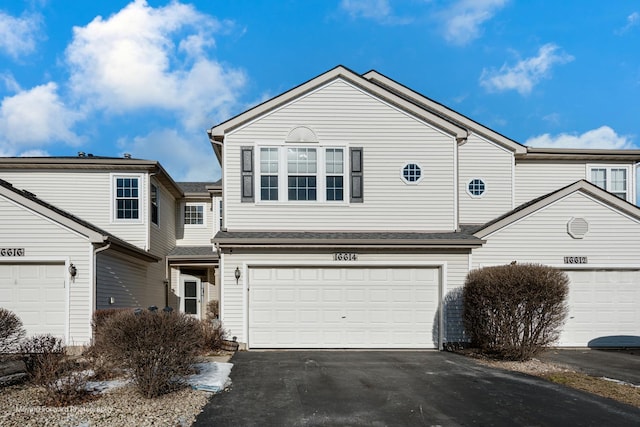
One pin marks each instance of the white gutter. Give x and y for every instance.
(95, 272)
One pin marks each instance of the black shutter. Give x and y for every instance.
(246, 167)
(357, 185)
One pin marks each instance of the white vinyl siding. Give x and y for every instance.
(234, 296)
(480, 159)
(537, 178)
(87, 195)
(197, 235)
(48, 242)
(542, 237)
(343, 116)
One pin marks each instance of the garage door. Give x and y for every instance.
(604, 309)
(37, 294)
(343, 307)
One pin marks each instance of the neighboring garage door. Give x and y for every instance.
(604, 309)
(295, 307)
(37, 294)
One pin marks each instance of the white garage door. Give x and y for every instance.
(343, 307)
(37, 294)
(604, 309)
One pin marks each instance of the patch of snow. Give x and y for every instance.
(211, 376)
(620, 382)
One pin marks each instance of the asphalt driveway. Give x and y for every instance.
(396, 388)
(622, 365)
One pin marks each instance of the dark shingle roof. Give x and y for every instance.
(197, 252)
(198, 187)
(453, 239)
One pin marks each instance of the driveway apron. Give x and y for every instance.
(396, 388)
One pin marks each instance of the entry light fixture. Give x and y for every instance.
(72, 270)
(237, 274)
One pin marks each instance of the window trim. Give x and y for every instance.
(153, 186)
(321, 175)
(203, 205)
(476, 196)
(630, 183)
(141, 199)
(406, 181)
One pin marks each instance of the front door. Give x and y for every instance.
(191, 295)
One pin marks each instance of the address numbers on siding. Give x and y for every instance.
(575, 260)
(345, 256)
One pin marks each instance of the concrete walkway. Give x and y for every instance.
(395, 388)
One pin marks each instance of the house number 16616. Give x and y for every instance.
(345, 256)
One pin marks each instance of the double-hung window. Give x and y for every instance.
(269, 173)
(334, 169)
(612, 179)
(127, 200)
(302, 169)
(194, 214)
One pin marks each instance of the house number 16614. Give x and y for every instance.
(345, 256)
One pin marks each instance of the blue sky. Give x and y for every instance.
(149, 77)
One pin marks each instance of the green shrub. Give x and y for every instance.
(156, 349)
(11, 331)
(514, 311)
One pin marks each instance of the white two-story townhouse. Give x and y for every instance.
(354, 208)
(85, 233)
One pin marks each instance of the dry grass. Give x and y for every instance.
(561, 374)
(624, 393)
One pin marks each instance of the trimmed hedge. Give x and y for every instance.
(514, 311)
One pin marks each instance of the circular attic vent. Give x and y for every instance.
(577, 227)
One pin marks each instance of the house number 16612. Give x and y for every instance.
(345, 256)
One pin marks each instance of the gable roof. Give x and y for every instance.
(535, 205)
(443, 111)
(218, 132)
(94, 234)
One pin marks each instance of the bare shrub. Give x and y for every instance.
(212, 335)
(514, 311)
(11, 331)
(213, 310)
(103, 367)
(42, 356)
(156, 349)
(49, 368)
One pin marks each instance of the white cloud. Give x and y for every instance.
(184, 155)
(463, 21)
(35, 117)
(131, 61)
(633, 20)
(371, 9)
(526, 73)
(375, 10)
(18, 35)
(603, 137)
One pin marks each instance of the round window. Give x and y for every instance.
(411, 173)
(476, 187)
